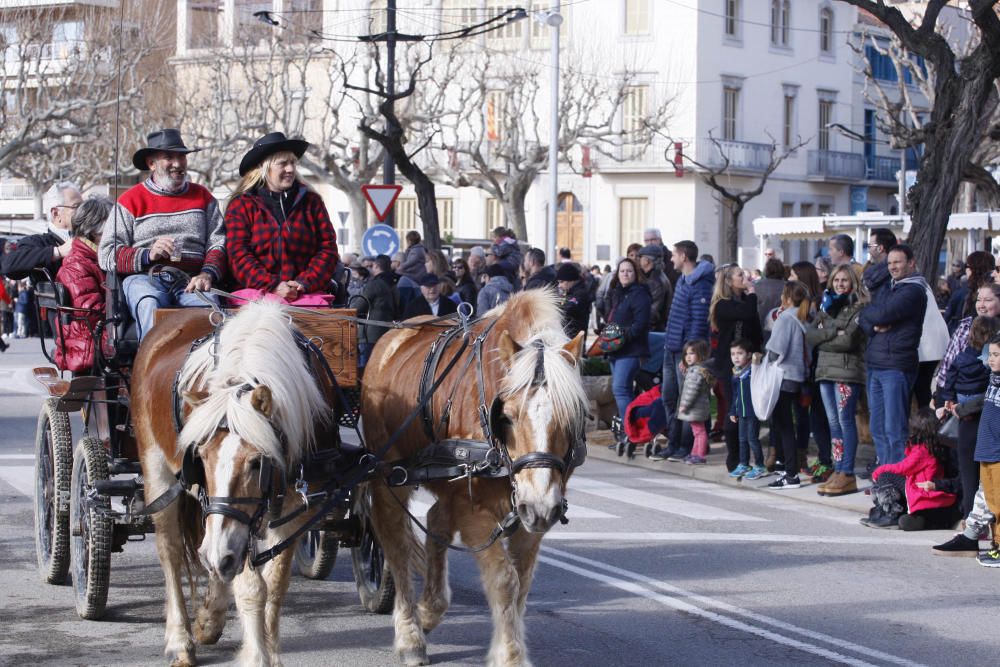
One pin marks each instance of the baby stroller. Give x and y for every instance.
(644, 418)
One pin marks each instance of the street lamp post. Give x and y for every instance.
(554, 20)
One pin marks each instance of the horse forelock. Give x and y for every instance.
(534, 317)
(256, 347)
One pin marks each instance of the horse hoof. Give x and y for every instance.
(183, 661)
(414, 657)
(208, 632)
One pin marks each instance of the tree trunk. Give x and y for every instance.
(359, 218)
(517, 187)
(951, 138)
(732, 239)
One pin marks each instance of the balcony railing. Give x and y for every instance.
(836, 165)
(742, 155)
(882, 169)
(16, 191)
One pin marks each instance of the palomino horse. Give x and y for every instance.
(254, 405)
(531, 381)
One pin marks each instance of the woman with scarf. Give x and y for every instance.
(840, 371)
(279, 237)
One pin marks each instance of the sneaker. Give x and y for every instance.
(960, 545)
(867, 474)
(740, 470)
(880, 521)
(694, 460)
(813, 468)
(821, 473)
(785, 482)
(677, 457)
(664, 454)
(756, 472)
(989, 558)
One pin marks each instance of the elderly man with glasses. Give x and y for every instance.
(46, 251)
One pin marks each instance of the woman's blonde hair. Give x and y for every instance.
(256, 176)
(857, 287)
(723, 290)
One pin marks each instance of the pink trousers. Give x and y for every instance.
(304, 301)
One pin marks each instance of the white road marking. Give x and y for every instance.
(22, 478)
(17, 457)
(19, 380)
(578, 511)
(656, 502)
(580, 536)
(743, 496)
(682, 600)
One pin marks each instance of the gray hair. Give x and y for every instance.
(88, 220)
(652, 231)
(54, 196)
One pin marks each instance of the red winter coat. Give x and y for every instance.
(919, 465)
(263, 253)
(84, 281)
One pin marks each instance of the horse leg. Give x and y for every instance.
(437, 593)
(501, 585)
(179, 645)
(392, 526)
(211, 616)
(277, 574)
(523, 551)
(250, 591)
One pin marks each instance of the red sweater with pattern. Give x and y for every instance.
(143, 214)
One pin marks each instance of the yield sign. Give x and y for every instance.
(381, 198)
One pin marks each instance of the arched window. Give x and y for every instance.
(826, 30)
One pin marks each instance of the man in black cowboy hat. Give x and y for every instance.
(164, 220)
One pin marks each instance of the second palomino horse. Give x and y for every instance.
(520, 370)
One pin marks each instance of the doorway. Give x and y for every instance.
(569, 226)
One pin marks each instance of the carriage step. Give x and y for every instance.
(124, 467)
(117, 487)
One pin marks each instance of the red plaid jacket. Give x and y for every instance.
(263, 253)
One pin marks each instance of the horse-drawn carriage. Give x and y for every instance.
(89, 497)
(241, 412)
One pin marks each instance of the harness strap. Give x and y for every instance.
(165, 499)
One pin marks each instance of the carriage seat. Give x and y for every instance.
(53, 296)
(123, 335)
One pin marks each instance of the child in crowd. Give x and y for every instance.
(694, 404)
(84, 281)
(741, 413)
(787, 349)
(988, 447)
(967, 377)
(926, 459)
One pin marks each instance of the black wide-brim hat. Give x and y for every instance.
(269, 144)
(168, 140)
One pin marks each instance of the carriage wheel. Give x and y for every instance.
(376, 588)
(316, 553)
(53, 468)
(92, 530)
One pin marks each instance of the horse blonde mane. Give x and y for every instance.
(256, 347)
(535, 315)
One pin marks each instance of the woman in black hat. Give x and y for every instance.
(279, 237)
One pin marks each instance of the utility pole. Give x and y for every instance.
(554, 20)
(388, 165)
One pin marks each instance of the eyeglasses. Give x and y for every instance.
(71, 206)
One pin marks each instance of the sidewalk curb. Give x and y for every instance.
(715, 472)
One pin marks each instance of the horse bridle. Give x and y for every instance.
(193, 472)
(496, 423)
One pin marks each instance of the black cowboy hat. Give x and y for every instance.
(269, 144)
(168, 140)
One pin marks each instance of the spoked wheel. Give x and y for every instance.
(376, 588)
(53, 469)
(91, 530)
(316, 554)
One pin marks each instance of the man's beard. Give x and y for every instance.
(168, 181)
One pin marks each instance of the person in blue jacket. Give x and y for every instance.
(688, 320)
(894, 325)
(630, 307)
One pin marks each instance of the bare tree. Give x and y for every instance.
(736, 199)
(494, 130)
(73, 77)
(393, 135)
(964, 96)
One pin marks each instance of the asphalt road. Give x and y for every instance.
(653, 569)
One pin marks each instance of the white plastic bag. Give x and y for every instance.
(935, 337)
(765, 385)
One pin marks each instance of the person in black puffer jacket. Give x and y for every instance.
(630, 304)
